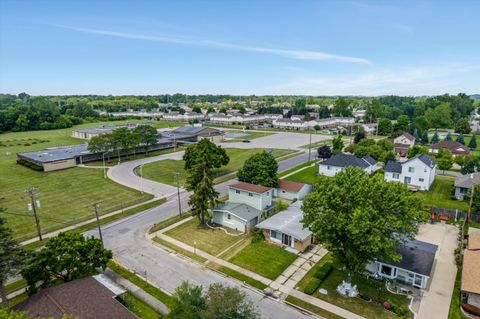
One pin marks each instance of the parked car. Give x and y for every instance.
(246, 141)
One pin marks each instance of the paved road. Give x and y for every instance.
(126, 238)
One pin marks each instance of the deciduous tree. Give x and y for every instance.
(359, 218)
(324, 152)
(444, 159)
(337, 144)
(259, 169)
(65, 257)
(463, 126)
(147, 136)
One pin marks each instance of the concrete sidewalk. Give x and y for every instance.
(137, 292)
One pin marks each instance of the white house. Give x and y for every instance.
(286, 228)
(418, 172)
(339, 162)
(402, 143)
(415, 267)
(292, 190)
(246, 206)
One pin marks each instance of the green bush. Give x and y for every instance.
(400, 311)
(324, 271)
(312, 286)
(257, 236)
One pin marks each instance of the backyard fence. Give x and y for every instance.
(455, 214)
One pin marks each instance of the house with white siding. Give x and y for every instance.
(418, 173)
(291, 190)
(337, 163)
(246, 206)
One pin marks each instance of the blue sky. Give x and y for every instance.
(240, 47)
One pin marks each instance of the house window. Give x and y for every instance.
(328, 167)
(411, 169)
(268, 193)
(229, 216)
(386, 270)
(420, 179)
(250, 194)
(396, 175)
(273, 234)
(237, 191)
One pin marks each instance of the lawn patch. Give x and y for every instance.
(308, 175)
(302, 284)
(308, 306)
(138, 307)
(372, 288)
(264, 259)
(179, 250)
(212, 241)
(244, 278)
(163, 171)
(440, 194)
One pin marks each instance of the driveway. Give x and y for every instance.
(435, 302)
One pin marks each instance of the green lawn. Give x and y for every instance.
(308, 306)
(64, 194)
(212, 241)
(179, 250)
(163, 171)
(440, 194)
(139, 308)
(244, 278)
(309, 275)
(308, 175)
(265, 259)
(374, 289)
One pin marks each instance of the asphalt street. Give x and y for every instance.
(126, 238)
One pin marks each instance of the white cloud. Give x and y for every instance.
(449, 78)
(287, 53)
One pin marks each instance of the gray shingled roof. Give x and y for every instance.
(288, 222)
(393, 167)
(244, 211)
(417, 256)
(344, 160)
(57, 154)
(425, 159)
(467, 181)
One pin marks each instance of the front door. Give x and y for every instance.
(286, 240)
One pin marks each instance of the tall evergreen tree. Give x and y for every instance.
(435, 138)
(424, 139)
(461, 139)
(473, 142)
(417, 137)
(448, 137)
(200, 160)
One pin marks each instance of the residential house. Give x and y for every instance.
(337, 163)
(464, 183)
(246, 206)
(286, 228)
(190, 116)
(173, 116)
(418, 172)
(87, 298)
(456, 148)
(291, 190)
(413, 269)
(402, 143)
(470, 286)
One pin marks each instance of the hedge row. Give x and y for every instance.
(317, 278)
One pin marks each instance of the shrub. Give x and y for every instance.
(365, 297)
(312, 286)
(399, 310)
(324, 271)
(257, 237)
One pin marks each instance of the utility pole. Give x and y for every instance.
(310, 147)
(94, 207)
(31, 192)
(177, 178)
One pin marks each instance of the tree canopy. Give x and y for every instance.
(65, 257)
(259, 169)
(218, 302)
(200, 160)
(358, 217)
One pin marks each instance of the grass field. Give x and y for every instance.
(265, 259)
(440, 194)
(307, 175)
(162, 171)
(64, 194)
(212, 241)
(316, 310)
(138, 307)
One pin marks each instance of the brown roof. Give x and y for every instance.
(82, 298)
(251, 187)
(409, 136)
(471, 272)
(474, 241)
(454, 146)
(290, 186)
(400, 145)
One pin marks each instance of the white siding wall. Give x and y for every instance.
(403, 140)
(420, 171)
(258, 201)
(329, 170)
(234, 222)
